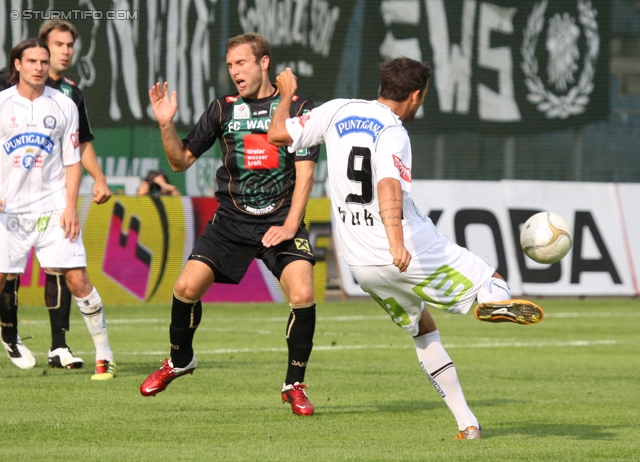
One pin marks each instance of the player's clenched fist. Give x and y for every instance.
(401, 257)
(287, 82)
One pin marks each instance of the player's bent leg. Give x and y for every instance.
(186, 313)
(18, 353)
(90, 305)
(297, 280)
(495, 305)
(58, 301)
(185, 318)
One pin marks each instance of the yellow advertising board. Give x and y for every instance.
(137, 246)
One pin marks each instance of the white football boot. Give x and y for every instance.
(62, 358)
(20, 354)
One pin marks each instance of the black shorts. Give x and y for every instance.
(228, 247)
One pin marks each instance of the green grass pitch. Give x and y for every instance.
(565, 389)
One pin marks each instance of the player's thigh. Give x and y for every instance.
(15, 242)
(227, 247)
(447, 276)
(54, 250)
(291, 262)
(393, 292)
(194, 280)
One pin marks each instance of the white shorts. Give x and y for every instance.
(20, 232)
(445, 276)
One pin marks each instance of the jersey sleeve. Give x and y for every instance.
(307, 130)
(208, 128)
(83, 123)
(4, 78)
(392, 157)
(311, 152)
(71, 136)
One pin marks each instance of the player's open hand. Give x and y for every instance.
(1, 206)
(70, 223)
(164, 106)
(401, 257)
(101, 192)
(287, 82)
(277, 234)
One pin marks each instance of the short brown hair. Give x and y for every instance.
(401, 76)
(259, 45)
(18, 51)
(56, 24)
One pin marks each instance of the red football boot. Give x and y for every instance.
(159, 379)
(296, 396)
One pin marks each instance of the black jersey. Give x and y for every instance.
(5, 75)
(69, 88)
(256, 179)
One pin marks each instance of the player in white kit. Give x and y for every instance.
(394, 250)
(40, 175)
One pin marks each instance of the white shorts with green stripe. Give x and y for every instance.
(444, 276)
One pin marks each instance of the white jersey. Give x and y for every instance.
(39, 139)
(366, 142)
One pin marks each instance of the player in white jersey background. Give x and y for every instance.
(395, 252)
(60, 36)
(40, 175)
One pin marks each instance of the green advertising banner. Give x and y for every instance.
(503, 66)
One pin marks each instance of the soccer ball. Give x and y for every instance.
(546, 237)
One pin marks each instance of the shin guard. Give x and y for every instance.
(185, 318)
(57, 297)
(300, 330)
(9, 310)
(93, 314)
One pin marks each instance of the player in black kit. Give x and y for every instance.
(60, 37)
(262, 192)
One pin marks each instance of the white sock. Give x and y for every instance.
(93, 314)
(494, 290)
(439, 368)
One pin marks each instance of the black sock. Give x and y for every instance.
(9, 311)
(57, 297)
(300, 329)
(185, 318)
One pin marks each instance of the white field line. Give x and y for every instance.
(405, 346)
(212, 318)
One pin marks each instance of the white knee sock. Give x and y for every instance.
(439, 368)
(494, 290)
(93, 314)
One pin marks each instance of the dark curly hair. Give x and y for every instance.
(401, 76)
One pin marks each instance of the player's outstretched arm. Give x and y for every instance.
(278, 134)
(101, 191)
(390, 200)
(164, 109)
